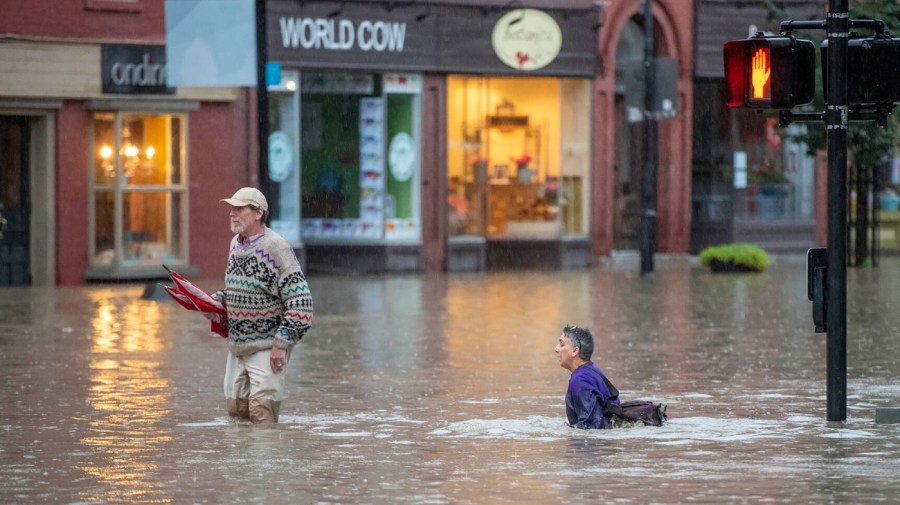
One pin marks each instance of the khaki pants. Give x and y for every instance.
(252, 390)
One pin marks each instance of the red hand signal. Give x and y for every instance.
(760, 73)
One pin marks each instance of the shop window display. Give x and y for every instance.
(775, 178)
(518, 157)
(360, 156)
(139, 205)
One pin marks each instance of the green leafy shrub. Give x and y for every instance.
(734, 258)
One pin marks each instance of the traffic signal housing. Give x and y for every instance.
(770, 72)
(873, 70)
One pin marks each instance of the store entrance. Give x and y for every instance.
(14, 201)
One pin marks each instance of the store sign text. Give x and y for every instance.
(146, 73)
(134, 69)
(343, 34)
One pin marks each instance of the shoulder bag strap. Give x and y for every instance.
(609, 385)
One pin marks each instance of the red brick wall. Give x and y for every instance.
(145, 22)
(673, 33)
(72, 153)
(219, 164)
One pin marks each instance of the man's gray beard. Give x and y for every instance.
(236, 228)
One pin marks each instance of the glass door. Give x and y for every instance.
(14, 201)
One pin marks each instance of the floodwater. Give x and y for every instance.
(444, 389)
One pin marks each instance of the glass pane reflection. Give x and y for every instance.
(147, 222)
(104, 219)
(104, 148)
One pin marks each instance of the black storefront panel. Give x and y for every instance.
(421, 38)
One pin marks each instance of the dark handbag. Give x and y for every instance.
(651, 414)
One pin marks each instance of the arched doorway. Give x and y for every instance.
(618, 143)
(629, 137)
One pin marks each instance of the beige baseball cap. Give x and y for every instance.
(247, 196)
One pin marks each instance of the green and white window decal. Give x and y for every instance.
(402, 220)
(360, 156)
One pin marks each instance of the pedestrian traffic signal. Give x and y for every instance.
(873, 70)
(770, 72)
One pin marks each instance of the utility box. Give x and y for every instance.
(816, 268)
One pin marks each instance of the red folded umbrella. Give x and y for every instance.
(191, 297)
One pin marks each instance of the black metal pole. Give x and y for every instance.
(262, 101)
(648, 180)
(837, 25)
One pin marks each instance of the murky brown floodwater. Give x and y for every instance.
(445, 389)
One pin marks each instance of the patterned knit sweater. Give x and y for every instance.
(266, 295)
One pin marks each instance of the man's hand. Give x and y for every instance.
(278, 359)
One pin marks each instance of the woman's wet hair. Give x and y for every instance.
(582, 339)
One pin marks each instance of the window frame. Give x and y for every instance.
(120, 187)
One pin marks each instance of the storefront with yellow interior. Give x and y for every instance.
(518, 163)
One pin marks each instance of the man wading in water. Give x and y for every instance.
(588, 395)
(269, 310)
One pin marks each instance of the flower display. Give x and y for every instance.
(523, 160)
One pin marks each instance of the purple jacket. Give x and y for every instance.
(587, 398)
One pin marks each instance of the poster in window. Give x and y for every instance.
(311, 125)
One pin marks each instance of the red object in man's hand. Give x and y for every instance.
(191, 297)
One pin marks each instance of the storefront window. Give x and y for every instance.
(359, 149)
(139, 205)
(575, 154)
(774, 177)
(518, 156)
(401, 212)
(284, 157)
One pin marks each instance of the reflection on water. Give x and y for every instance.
(128, 398)
(133, 327)
(445, 389)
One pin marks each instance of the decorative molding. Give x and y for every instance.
(149, 105)
(27, 106)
